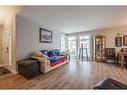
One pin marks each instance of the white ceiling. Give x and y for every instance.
(70, 19)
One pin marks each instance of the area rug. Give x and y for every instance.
(4, 71)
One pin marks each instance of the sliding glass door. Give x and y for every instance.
(79, 45)
(84, 44)
(72, 46)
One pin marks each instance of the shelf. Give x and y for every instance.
(99, 48)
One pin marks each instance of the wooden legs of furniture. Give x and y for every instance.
(122, 61)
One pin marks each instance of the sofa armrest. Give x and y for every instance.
(44, 62)
(68, 57)
(44, 65)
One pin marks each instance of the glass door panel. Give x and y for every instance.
(72, 46)
(84, 44)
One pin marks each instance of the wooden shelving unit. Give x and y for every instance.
(99, 48)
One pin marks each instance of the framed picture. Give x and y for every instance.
(118, 41)
(45, 36)
(125, 40)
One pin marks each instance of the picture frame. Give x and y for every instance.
(125, 40)
(45, 36)
(118, 41)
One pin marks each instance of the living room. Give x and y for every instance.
(78, 35)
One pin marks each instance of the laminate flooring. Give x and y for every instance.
(74, 75)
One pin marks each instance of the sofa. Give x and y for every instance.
(50, 59)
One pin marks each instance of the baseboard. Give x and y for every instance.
(14, 72)
(1, 65)
(11, 70)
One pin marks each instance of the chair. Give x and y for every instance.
(124, 49)
(110, 55)
(125, 59)
(110, 83)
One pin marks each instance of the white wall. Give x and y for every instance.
(27, 38)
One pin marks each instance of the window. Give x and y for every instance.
(72, 46)
(63, 42)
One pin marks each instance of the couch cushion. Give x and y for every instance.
(57, 52)
(53, 59)
(44, 52)
(56, 58)
(61, 57)
(51, 53)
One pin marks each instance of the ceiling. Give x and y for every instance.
(70, 19)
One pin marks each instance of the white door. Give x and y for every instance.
(6, 43)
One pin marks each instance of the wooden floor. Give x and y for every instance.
(74, 75)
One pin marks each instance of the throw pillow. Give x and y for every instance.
(57, 52)
(51, 53)
(44, 52)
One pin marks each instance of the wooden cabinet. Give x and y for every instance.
(99, 48)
